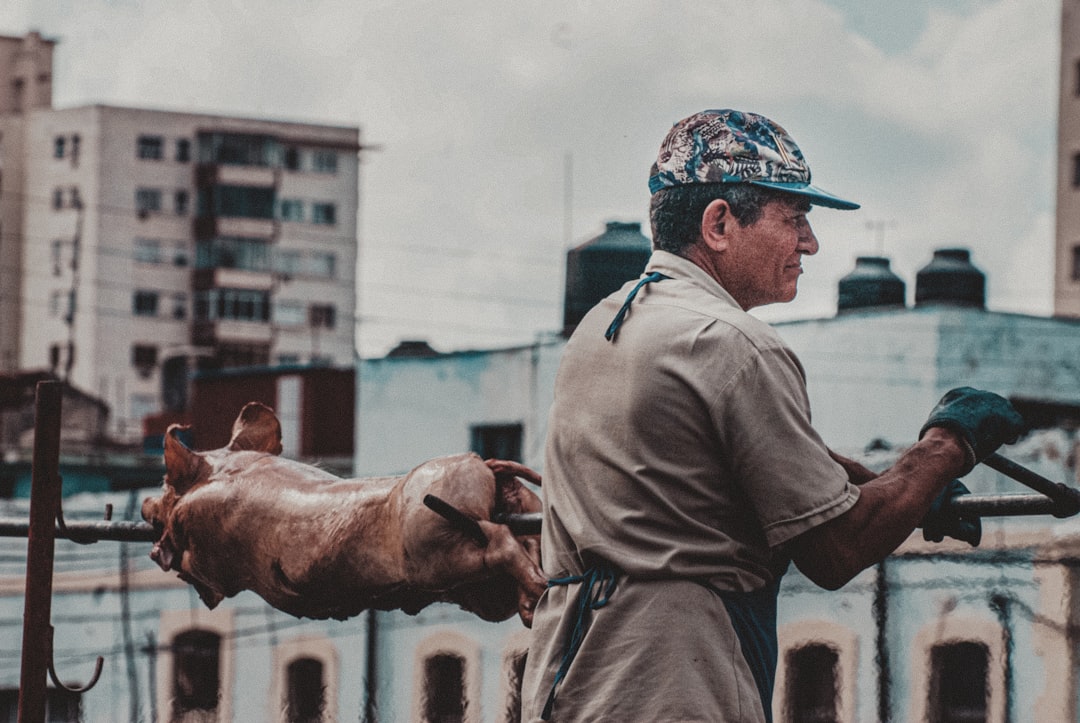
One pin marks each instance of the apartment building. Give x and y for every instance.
(153, 244)
(1067, 237)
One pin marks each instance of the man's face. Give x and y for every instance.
(763, 261)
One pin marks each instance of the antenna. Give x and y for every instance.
(878, 227)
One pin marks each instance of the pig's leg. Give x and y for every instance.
(519, 559)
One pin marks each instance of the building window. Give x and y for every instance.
(147, 251)
(180, 253)
(196, 671)
(229, 252)
(232, 304)
(498, 441)
(1076, 263)
(289, 313)
(959, 682)
(150, 148)
(230, 356)
(145, 303)
(61, 706)
(75, 149)
(514, 668)
(305, 697)
(1076, 70)
(321, 316)
(1076, 170)
(323, 265)
(147, 200)
(59, 144)
(58, 199)
(238, 149)
(292, 209)
(144, 358)
(180, 202)
(179, 306)
(183, 150)
(291, 159)
(324, 213)
(324, 162)
(287, 263)
(444, 688)
(237, 201)
(57, 256)
(812, 684)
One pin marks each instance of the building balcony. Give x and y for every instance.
(214, 174)
(231, 331)
(207, 227)
(222, 278)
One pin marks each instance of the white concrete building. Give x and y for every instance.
(1067, 257)
(938, 630)
(151, 243)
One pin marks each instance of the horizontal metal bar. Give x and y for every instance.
(525, 523)
(1067, 498)
(1007, 505)
(86, 531)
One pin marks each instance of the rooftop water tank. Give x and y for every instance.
(951, 278)
(870, 285)
(600, 266)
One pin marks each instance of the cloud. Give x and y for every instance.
(943, 126)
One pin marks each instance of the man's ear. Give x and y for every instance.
(716, 223)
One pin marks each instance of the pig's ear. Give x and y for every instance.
(257, 428)
(183, 467)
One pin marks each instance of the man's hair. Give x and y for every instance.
(675, 212)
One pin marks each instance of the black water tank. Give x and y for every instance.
(600, 266)
(951, 278)
(870, 285)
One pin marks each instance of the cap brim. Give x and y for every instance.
(817, 196)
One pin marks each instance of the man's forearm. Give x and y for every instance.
(889, 507)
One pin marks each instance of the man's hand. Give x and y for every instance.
(983, 420)
(941, 522)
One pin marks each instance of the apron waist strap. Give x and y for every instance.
(597, 586)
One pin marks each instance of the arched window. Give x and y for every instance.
(959, 683)
(305, 697)
(812, 684)
(514, 671)
(444, 689)
(196, 683)
(446, 676)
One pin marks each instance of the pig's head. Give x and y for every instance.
(255, 429)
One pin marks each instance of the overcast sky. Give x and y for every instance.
(938, 116)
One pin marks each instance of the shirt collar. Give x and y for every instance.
(678, 267)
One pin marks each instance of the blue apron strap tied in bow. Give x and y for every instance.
(597, 586)
(618, 320)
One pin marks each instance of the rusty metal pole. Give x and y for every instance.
(44, 502)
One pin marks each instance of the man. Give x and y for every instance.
(682, 474)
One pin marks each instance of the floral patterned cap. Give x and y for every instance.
(730, 146)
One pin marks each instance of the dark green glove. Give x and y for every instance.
(941, 521)
(984, 421)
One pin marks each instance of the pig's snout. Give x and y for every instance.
(151, 506)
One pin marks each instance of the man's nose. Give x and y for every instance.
(808, 243)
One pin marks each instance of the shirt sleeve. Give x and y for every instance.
(779, 462)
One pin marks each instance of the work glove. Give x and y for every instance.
(983, 420)
(941, 521)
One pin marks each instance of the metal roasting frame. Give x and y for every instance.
(46, 524)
